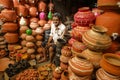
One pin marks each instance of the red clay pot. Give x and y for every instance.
(66, 51)
(33, 12)
(42, 6)
(64, 66)
(6, 4)
(65, 75)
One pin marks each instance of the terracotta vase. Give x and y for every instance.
(80, 66)
(111, 63)
(84, 17)
(111, 21)
(9, 15)
(66, 51)
(101, 74)
(65, 75)
(96, 39)
(42, 6)
(93, 57)
(11, 37)
(9, 27)
(78, 31)
(33, 12)
(6, 4)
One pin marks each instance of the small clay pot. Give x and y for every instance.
(42, 6)
(64, 66)
(6, 4)
(64, 59)
(42, 22)
(66, 51)
(65, 75)
(33, 11)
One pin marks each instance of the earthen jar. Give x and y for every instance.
(111, 63)
(6, 4)
(57, 72)
(42, 22)
(66, 51)
(34, 25)
(64, 59)
(9, 15)
(23, 29)
(11, 37)
(84, 17)
(42, 6)
(30, 38)
(80, 66)
(111, 21)
(101, 74)
(22, 11)
(78, 31)
(33, 12)
(39, 30)
(34, 19)
(39, 37)
(65, 75)
(9, 27)
(64, 66)
(97, 39)
(11, 47)
(73, 76)
(71, 41)
(93, 57)
(30, 45)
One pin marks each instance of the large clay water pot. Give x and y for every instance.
(6, 4)
(84, 17)
(80, 66)
(111, 21)
(111, 63)
(101, 74)
(96, 39)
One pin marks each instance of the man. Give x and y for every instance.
(58, 30)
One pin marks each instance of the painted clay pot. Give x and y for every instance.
(111, 63)
(65, 75)
(33, 12)
(84, 17)
(96, 39)
(6, 4)
(111, 21)
(42, 6)
(42, 16)
(93, 57)
(71, 41)
(78, 31)
(9, 27)
(66, 51)
(11, 37)
(80, 66)
(101, 74)
(73, 76)
(9, 15)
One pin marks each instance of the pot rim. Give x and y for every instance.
(99, 28)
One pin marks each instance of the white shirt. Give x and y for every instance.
(59, 33)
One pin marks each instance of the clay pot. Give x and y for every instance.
(46, 27)
(64, 59)
(66, 51)
(23, 21)
(71, 41)
(9, 27)
(39, 30)
(51, 6)
(111, 63)
(65, 75)
(11, 47)
(33, 11)
(111, 21)
(34, 25)
(93, 57)
(64, 66)
(84, 17)
(39, 37)
(30, 45)
(8, 15)
(42, 22)
(96, 39)
(34, 19)
(30, 38)
(80, 66)
(78, 31)
(30, 51)
(22, 11)
(33, 2)
(6, 4)
(57, 72)
(42, 6)
(11, 37)
(103, 75)
(23, 29)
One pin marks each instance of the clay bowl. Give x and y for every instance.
(111, 63)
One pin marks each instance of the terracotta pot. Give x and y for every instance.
(42, 6)
(64, 59)
(96, 39)
(80, 66)
(33, 12)
(11, 47)
(111, 63)
(56, 75)
(34, 25)
(93, 57)
(9, 15)
(66, 51)
(78, 31)
(73, 76)
(34, 19)
(51, 6)
(71, 41)
(30, 45)
(103, 75)
(84, 17)
(33, 2)
(6, 4)
(42, 22)
(22, 11)
(23, 21)
(64, 66)
(23, 29)
(30, 38)
(65, 75)
(111, 21)
(11, 37)
(9, 27)
(39, 37)
(39, 30)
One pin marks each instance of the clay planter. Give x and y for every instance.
(96, 39)
(9, 27)
(66, 51)
(8, 15)
(65, 75)
(111, 63)
(11, 37)
(93, 57)
(78, 31)
(84, 17)
(42, 6)
(111, 21)
(33, 11)
(80, 66)
(103, 75)
(6, 4)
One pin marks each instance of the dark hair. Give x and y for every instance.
(56, 14)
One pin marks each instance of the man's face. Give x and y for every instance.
(56, 21)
